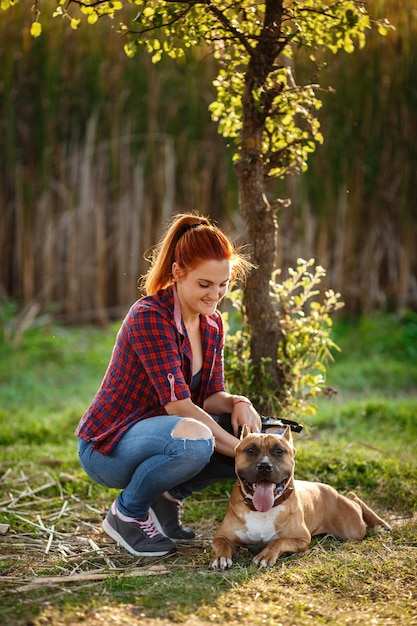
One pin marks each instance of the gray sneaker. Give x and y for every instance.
(166, 517)
(138, 537)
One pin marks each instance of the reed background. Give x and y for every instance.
(97, 150)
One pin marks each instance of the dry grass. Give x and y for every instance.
(52, 529)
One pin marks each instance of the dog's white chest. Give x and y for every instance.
(260, 527)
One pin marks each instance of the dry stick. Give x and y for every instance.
(5, 475)
(25, 320)
(41, 527)
(65, 550)
(63, 509)
(24, 505)
(50, 538)
(40, 522)
(89, 525)
(101, 553)
(27, 492)
(68, 545)
(35, 583)
(86, 505)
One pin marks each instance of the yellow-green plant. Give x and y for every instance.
(303, 314)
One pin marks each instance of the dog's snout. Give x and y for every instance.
(264, 467)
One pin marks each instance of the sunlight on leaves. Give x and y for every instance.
(36, 29)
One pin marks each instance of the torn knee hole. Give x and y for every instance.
(191, 429)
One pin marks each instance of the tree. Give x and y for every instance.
(261, 107)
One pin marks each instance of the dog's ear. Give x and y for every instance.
(245, 431)
(287, 434)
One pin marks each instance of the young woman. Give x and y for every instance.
(151, 429)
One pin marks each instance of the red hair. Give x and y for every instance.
(190, 240)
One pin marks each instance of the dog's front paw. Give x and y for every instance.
(266, 558)
(223, 550)
(222, 563)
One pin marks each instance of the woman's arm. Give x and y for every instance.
(240, 407)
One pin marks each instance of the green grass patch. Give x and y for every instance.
(378, 354)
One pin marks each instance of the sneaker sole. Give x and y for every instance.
(109, 530)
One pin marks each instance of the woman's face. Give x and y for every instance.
(201, 289)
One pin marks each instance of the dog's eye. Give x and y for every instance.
(279, 451)
(251, 451)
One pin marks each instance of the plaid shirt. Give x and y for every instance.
(151, 366)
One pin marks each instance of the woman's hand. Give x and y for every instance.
(243, 412)
(240, 408)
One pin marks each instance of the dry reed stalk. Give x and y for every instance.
(24, 264)
(85, 240)
(122, 228)
(135, 262)
(71, 274)
(99, 289)
(87, 235)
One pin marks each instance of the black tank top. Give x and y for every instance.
(196, 380)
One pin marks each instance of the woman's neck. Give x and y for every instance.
(192, 323)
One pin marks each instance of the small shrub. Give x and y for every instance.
(305, 347)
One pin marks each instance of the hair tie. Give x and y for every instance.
(188, 227)
(191, 226)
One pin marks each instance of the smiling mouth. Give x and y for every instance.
(277, 489)
(263, 494)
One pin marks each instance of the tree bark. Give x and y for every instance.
(258, 214)
(262, 230)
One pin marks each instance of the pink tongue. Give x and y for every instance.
(263, 497)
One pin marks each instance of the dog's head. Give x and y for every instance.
(264, 467)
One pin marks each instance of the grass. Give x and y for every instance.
(364, 438)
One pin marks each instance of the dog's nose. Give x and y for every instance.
(264, 467)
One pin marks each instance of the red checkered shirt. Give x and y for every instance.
(151, 366)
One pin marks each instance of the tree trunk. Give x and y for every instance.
(259, 215)
(262, 230)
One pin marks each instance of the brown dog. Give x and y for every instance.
(272, 513)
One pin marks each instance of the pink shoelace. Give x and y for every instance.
(148, 527)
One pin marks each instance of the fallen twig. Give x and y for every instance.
(42, 581)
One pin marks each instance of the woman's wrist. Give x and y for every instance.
(237, 399)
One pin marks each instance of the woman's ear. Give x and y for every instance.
(177, 273)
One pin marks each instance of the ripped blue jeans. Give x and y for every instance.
(149, 460)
